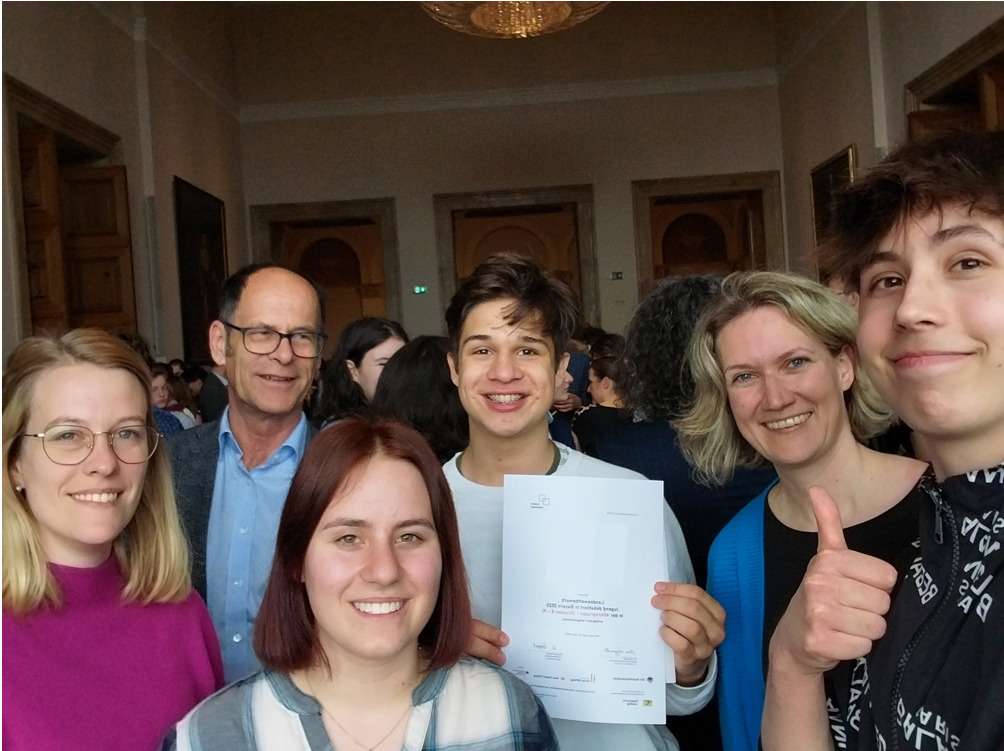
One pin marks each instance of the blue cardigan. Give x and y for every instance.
(735, 579)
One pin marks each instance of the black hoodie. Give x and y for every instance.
(936, 679)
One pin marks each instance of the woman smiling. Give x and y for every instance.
(774, 365)
(365, 617)
(105, 644)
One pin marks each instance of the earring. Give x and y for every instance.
(19, 488)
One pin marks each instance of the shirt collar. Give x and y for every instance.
(297, 701)
(295, 441)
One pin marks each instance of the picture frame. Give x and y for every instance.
(201, 235)
(826, 180)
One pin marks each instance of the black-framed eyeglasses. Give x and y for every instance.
(72, 444)
(262, 340)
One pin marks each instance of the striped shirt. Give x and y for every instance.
(472, 705)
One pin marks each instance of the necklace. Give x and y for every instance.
(551, 470)
(344, 730)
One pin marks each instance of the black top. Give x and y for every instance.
(787, 553)
(651, 448)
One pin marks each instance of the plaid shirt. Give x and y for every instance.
(472, 705)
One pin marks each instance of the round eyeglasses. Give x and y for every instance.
(262, 340)
(72, 444)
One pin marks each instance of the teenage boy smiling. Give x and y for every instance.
(508, 326)
(923, 237)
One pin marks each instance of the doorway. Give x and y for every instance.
(74, 244)
(714, 224)
(554, 226)
(347, 248)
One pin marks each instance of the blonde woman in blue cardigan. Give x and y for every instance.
(774, 364)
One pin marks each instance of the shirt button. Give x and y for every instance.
(238, 582)
(244, 530)
(237, 638)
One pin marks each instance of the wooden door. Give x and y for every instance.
(548, 234)
(346, 262)
(714, 234)
(97, 248)
(43, 235)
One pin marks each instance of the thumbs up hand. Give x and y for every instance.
(840, 606)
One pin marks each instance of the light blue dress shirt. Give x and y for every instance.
(243, 522)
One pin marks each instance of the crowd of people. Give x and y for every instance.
(279, 552)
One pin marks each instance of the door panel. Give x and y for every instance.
(707, 234)
(548, 234)
(346, 261)
(43, 235)
(97, 248)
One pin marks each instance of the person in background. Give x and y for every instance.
(592, 424)
(363, 349)
(508, 326)
(416, 389)
(366, 617)
(98, 609)
(183, 397)
(213, 394)
(774, 366)
(922, 237)
(194, 376)
(232, 475)
(177, 366)
(162, 395)
(167, 424)
(657, 388)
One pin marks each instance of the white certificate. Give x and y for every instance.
(580, 556)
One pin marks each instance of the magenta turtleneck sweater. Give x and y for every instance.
(98, 673)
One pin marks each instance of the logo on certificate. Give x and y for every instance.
(541, 501)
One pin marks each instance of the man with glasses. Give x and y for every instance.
(231, 476)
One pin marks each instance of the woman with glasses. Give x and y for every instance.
(105, 644)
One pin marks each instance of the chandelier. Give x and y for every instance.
(513, 19)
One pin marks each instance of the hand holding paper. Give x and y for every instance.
(693, 625)
(578, 553)
(486, 642)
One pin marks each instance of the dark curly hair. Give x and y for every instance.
(340, 394)
(656, 382)
(415, 388)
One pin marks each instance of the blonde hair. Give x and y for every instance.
(707, 432)
(152, 550)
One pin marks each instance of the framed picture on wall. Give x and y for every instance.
(827, 179)
(200, 229)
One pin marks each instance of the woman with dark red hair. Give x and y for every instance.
(366, 616)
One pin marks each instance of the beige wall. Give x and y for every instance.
(825, 102)
(197, 139)
(413, 156)
(83, 55)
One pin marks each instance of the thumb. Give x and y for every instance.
(831, 529)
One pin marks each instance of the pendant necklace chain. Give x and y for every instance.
(345, 730)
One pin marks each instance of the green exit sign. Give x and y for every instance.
(421, 289)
